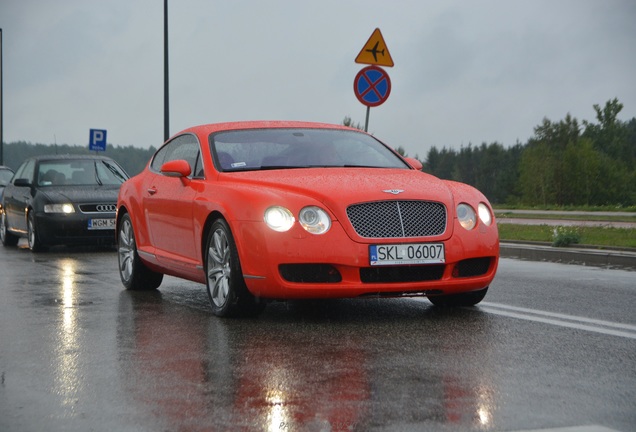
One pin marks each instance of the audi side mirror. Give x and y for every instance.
(22, 182)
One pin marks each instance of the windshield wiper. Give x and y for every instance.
(114, 171)
(275, 167)
(365, 166)
(97, 179)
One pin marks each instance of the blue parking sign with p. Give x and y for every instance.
(97, 141)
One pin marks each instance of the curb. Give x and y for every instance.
(614, 259)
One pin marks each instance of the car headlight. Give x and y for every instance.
(484, 214)
(466, 216)
(59, 208)
(314, 219)
(279, 218)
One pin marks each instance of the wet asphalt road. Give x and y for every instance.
(551, 346)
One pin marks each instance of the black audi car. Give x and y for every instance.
(61, 200)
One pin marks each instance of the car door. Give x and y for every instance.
(168, 204)
(17, 197)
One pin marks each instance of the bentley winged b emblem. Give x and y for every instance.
(393, 191)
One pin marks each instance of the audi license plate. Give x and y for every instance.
(414, 253)
(101, 224)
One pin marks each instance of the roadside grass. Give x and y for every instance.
(567, 208)
(594, 236)
(501, 214)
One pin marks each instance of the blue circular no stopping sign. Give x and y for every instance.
(372, 86)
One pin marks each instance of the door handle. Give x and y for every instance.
(152, 191)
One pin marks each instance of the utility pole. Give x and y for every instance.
(1, 112)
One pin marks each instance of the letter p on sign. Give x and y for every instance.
(97, 141)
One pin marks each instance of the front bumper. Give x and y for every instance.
(62, 229)
(300, 265)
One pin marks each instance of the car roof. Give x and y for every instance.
(69, 157)
(261, 124)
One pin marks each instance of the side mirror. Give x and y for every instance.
(414, 163)
(176, 168)
(22, 182)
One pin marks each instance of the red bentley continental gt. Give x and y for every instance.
(262, 211)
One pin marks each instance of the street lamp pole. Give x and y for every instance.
(166, 110)
(1, 112)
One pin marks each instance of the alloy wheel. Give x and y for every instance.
(126, 250)
(219, 271)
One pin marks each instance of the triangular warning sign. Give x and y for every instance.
(375, 51)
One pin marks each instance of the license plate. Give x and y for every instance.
(101, 224)
(414, 253)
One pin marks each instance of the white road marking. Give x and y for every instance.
(587, 428)
(563, 320)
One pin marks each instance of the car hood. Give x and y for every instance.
(81, 194)
(338, 188)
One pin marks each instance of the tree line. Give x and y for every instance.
(565, 163)
(132, 159)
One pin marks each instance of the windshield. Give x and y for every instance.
(5, 176)
(260, 149)
(83, 172)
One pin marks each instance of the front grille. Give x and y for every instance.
(98, 208)
(395, 219)
(402, 273)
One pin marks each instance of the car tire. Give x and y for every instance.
(134, 274)
(35, 244)
(6, 237)
(457, 300)
(228, 294)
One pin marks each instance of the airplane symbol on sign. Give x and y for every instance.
(375, 51)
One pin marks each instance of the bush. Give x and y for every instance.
(565, 236)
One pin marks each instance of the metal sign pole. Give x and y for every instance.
(166, 87)
(372, 84)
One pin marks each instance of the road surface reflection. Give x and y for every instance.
(334, 366)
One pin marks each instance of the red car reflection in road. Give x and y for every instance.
(198, 373)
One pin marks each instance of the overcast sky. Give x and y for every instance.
(465, 71)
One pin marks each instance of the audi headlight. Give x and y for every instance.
(315, 220)
(59, 208)
(279, 218)
(484, 214)
(466, 216)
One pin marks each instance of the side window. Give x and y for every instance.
(198, 167)
(19, 172)
(160, 157)
(182, 147)
(26, 171)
